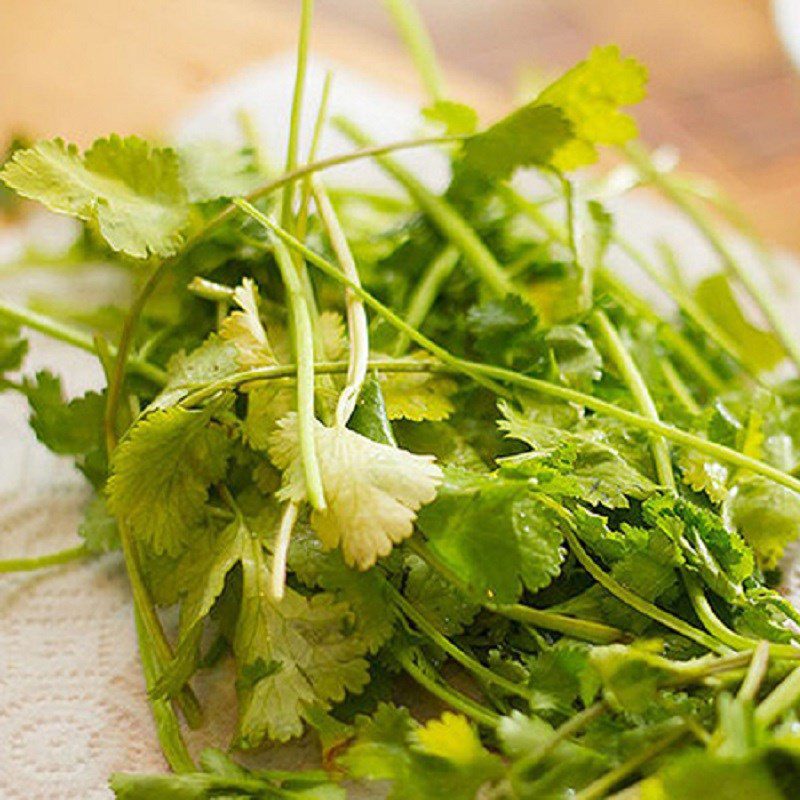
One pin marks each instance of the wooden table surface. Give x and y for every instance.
(721, 88)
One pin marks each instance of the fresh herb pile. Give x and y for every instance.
(369, 441)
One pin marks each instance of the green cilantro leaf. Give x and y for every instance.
(161, 473)
(315, 658)
(73, 428)
(131, 189)
(493, 533)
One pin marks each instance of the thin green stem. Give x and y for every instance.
(444, 217)
(676, 384)
(357, 330)
(633, 379)
(69, 335)
(168, 728)
(759, 664)
(440, 640)
(412, 31)
(626, 595)
(585, 630)
(784, 697)
(717, 628)
(306, 8)
(489, 376)
(289, 371)
(40, 562)
(685, 301)
(602, 786)
(446, 693)
(426, 292)
(667, 186)
(667, 333)
(303, 337)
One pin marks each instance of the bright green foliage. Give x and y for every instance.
(437, 599)
(290, 654)
(573, 464)
(130, 189)
(364, 592)
(161, 474)
(73, 428)
(494, 534)
(528, 137)
(523, 565)
(443, 758)
(590, 96)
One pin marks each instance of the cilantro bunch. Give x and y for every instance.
(364, 440)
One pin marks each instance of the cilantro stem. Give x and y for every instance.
(168, 728)
(601, 787)
(444, 217)
(685, 302)
(40, 562)
(714, 625)
(585, 630)
(781, 699)
(415, 36)
(457, 654)
(488, 376)
(667, 333)
(667, 186)
(281, 549)
(446, 693)
(426, 292)
(357, 330)
(55, 329)
(679, 388)
(626, 595)
(293, 144)
(759, 664)
(638, 389)
(303, 337)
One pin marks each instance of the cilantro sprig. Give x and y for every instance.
(352, 437)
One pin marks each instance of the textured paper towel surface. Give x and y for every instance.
(72, 704)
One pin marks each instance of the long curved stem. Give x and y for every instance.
(440, 640)
(626, 595)
(293, 145)
(55, 329)
(357, 329)
(448, 695)
(717, 628)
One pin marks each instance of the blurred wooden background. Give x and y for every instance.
(721, 90)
